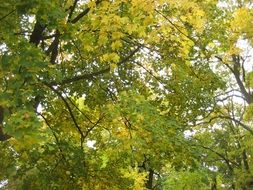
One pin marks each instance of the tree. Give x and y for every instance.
(100, 94)
(228, 128)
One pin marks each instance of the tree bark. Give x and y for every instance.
(3, 137)
(36, 35)
(149, 183)
(236, 71)
(214, 183)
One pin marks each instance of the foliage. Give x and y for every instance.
(126, 94)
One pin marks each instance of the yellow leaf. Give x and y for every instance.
(114, 57)
(116, 45)
(117, 35)
(88, 48)
(131, 28)
(91, 4)
(110, 57)
(113, 66)
(148, 20)
(102, 39)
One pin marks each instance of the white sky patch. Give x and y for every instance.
(91, 143)
(247, 52)
(3, 183)
(31, 18)
(189, 133)
(39, 108)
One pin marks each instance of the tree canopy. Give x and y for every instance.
(126, 94)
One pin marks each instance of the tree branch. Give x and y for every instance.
(176, 27)
(54, 134)
(91, 128)
(36, 35)
(8, 14)
(246, 127)
(90, 76)
(221, 156)
(80, 110)
(53, 48)
(236, 72)
(70, 112)
(72, 8)
(82, 14)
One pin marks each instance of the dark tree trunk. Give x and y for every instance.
(149, 183)
(36, 35)
(214, 183)
(3, 137)
(245, 161)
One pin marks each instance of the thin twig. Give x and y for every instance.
(8, 14)
(91, 128)
(70, 112)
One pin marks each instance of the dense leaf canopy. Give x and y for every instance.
(126, 94)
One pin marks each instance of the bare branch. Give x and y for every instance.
(53, 48)
(236, 72)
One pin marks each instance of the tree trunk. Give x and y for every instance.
(149, 183)
(214, 183)
(3, 137)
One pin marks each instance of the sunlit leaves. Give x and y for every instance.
(242, 22)
(249, 80)
(249, 113)
(187, 180)
(111, 57)
(138, 178)
(24, 126)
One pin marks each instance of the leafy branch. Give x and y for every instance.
(82, 14)
(90, 76)
(70, 112)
